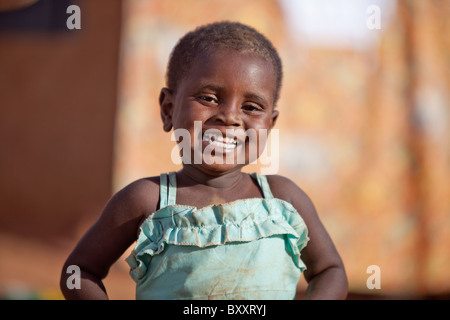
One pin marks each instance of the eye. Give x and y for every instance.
(252, 108)
(207, 99)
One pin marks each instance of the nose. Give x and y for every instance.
(229, 114)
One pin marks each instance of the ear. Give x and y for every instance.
(274, 117)
(166, 108)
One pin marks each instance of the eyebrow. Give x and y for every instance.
(256, 97)
(211, 87)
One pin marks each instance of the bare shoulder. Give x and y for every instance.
(139, 198)
(285, 189)
(116, 228)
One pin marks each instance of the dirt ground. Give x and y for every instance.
(31, 268)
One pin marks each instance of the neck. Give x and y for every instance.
(191, 175)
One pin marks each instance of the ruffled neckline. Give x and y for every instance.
(241, 220)
(162, 211)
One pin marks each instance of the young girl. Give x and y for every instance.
(210, 231)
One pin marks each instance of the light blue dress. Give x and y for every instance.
(245, 249)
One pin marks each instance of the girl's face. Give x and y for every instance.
(225, 103)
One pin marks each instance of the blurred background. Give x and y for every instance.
(364, 128)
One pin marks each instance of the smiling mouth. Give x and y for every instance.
(221, 142)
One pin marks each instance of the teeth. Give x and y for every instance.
(220, 141)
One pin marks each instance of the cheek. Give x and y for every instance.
(189, 133)
(255, 143)
(187, 113)
(260, 130)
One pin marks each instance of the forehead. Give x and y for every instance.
(234, 69)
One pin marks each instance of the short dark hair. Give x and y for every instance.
(226, 34)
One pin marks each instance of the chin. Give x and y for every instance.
(218, 169)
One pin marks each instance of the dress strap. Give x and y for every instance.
(172, 197)
(167, 189)
(264, 184)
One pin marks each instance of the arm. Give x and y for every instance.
(108, 238)
(325, 272)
